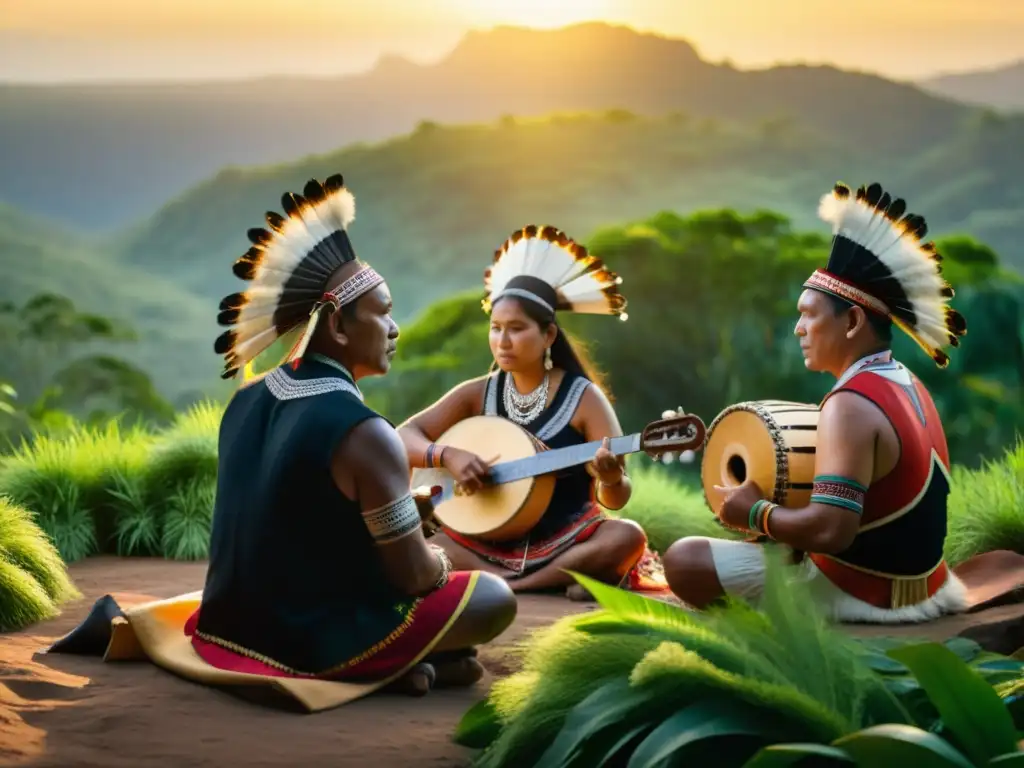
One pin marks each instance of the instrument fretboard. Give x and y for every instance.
(559, 459)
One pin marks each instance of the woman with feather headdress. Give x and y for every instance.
(319, 566)
(545, 384)
(874, 530)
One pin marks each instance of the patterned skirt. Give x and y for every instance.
(427, 621)
(526, 555)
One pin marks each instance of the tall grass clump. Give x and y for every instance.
(986, 507)
(121, 491)
(65, 480)
(33, 579)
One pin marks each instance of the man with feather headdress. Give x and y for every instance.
(874, 530)
(319, 566)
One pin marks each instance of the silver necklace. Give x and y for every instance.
(522, 409)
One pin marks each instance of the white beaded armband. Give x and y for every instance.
(394, 520)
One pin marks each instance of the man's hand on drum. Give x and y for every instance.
(736, 506)
(469, 470)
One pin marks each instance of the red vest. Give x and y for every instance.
(903, 526)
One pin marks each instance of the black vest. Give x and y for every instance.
(294, 576)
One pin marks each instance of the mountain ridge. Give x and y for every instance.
(99, 157)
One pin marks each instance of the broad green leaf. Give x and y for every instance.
(7, 389)
(1008, 761)
(785, 755)
(6, 407)
(604, 623)
(712, 718)
(887, 665)
(965, 649)
(968, 706)
(615, 753)
(1005, 664)
(479, 726)
(882, 746)
(622, 603)
(608, 713)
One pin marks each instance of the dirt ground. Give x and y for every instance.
(64, 710)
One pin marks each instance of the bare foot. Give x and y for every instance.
(460, 673)
(416, 682)
(579, 594)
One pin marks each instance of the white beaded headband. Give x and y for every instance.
(363, 281)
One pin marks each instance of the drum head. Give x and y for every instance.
(739, 447)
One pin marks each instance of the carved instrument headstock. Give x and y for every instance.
(675, 432)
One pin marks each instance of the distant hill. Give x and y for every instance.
(1000, 87)
(98, 156)
(433, 205)
(38, 256)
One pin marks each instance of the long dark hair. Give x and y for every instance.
(567, 352)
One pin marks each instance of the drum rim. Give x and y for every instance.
(758, 408)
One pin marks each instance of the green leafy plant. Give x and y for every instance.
(977, 729)
(644, 683)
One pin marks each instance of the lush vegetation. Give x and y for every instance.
(645, 683)
(128, 491)
(58, 367)
(33, 579)
(433, 205)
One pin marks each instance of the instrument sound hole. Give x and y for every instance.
(737, 469)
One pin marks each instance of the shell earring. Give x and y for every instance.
(547, 359)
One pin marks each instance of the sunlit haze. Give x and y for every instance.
(53, 40)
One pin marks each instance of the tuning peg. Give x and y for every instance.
(687, 457)
(668, 414)
(667, 458)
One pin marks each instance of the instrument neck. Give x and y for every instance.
(556, 460)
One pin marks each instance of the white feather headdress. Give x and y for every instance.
(543, 265)
(878, 260)
(288, 267)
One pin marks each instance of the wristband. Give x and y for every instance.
(755, 512)
(446, 565)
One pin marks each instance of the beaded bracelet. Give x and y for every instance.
(446, 565)
(755, 513)
(763, 522)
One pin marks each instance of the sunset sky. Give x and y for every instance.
(178, 39)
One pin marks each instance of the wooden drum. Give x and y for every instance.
(771, 441)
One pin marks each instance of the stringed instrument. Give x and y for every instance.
(521, 485)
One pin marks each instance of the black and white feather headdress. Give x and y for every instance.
(288, 267)
(543, 265)
(880, 262)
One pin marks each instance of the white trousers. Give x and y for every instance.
(741, 571)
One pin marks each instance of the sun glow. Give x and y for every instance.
(542, 14)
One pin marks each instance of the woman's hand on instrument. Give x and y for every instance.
(468, 469)
(735, 512)
(606, 466)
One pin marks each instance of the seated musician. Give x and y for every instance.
(318, 562)
(873, 532)
(545, 385)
